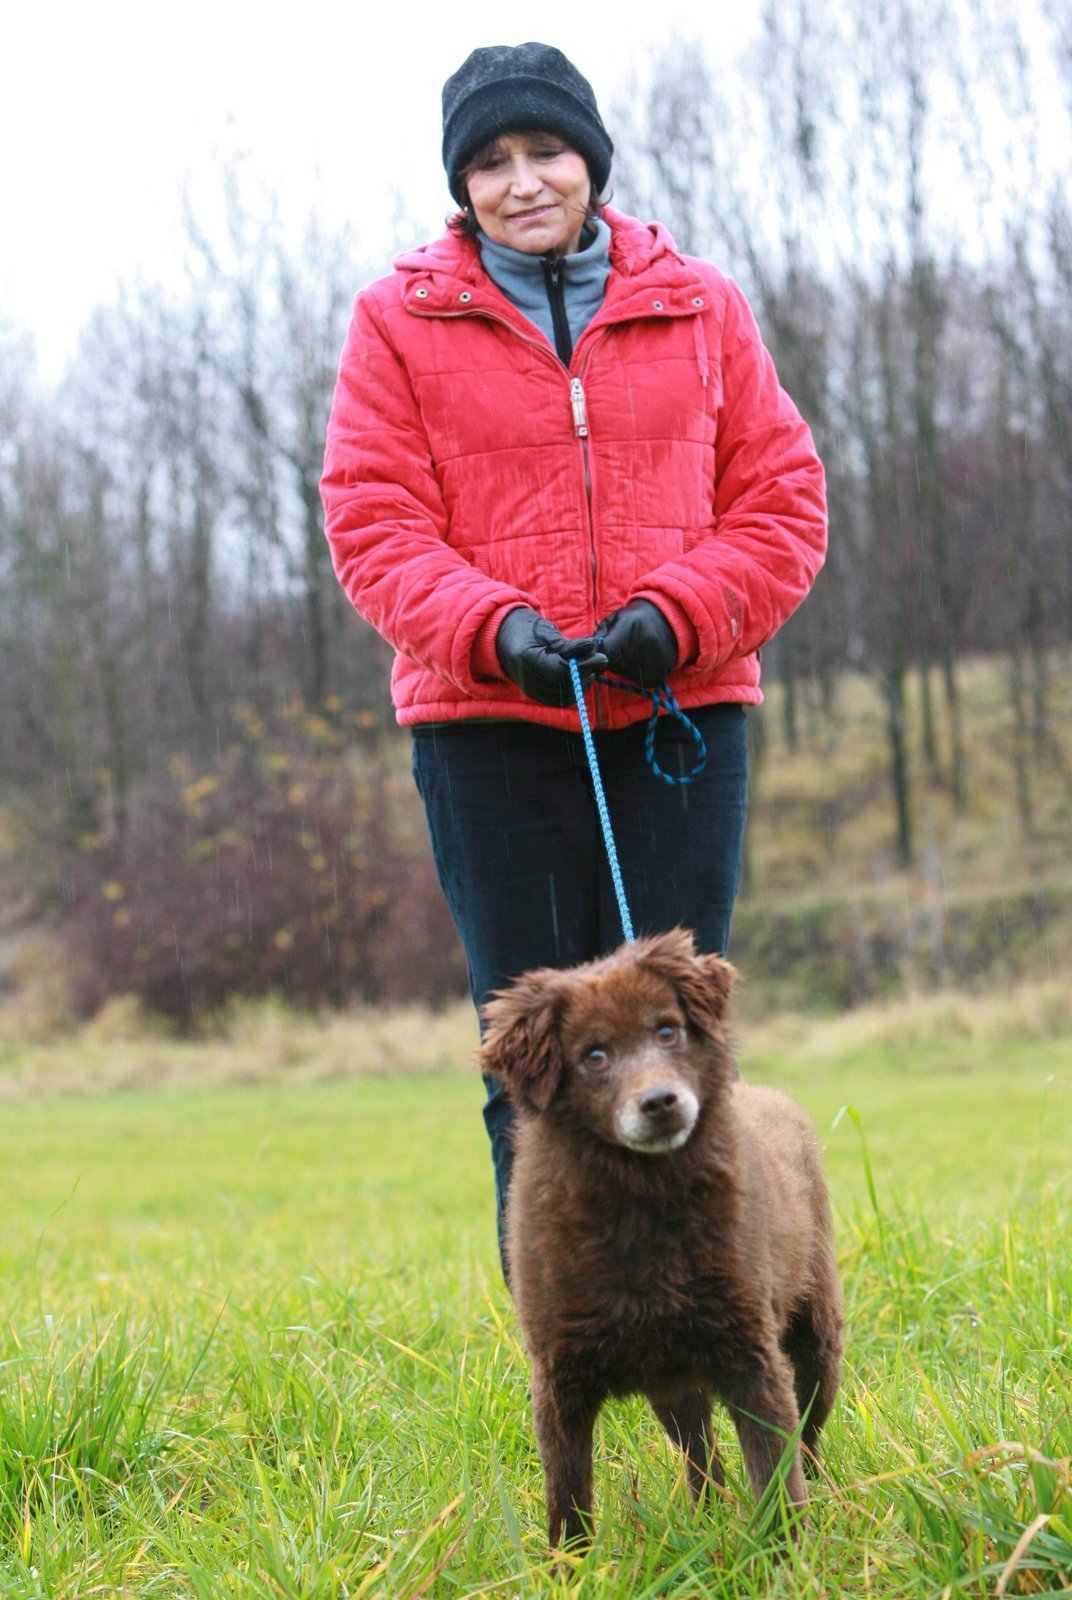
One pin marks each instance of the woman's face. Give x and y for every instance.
(531, 192)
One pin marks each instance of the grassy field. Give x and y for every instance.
(255, 1342)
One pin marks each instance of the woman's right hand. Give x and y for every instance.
(535, 655)
(639, 643)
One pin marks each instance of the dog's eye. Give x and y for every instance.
(668, 1034)
(596, 1059)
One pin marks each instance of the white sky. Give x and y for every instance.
(108, 107)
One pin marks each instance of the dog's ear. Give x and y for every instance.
(703, 983)
(521, 1037)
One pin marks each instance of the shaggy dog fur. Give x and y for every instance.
(668, 1227)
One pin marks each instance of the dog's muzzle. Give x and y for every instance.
(658, 1118)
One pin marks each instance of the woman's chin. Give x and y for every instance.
(544, 236)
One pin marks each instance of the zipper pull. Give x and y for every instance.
(580, 410)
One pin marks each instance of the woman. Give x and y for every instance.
(556, 438)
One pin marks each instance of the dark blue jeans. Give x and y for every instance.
(520, 855)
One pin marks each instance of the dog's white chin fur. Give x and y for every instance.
(635, 1131)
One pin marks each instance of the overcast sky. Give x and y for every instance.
(107, 108)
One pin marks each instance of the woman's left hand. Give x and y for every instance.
(639, 643)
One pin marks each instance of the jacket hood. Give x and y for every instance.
(643, 252)
(635, 248)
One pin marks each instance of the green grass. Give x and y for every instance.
(255, 1344)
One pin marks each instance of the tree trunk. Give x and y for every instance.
(893, 687)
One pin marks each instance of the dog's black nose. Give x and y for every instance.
(658, 1102)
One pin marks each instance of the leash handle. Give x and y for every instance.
(601, 806)
(662, 700)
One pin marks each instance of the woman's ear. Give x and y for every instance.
(521, 1037)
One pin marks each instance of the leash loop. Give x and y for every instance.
(662, 700)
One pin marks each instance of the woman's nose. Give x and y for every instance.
(525, 179)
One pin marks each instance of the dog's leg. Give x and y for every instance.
(564, 1421)
(764, 1410)
(813, 1344)
(687, 1419)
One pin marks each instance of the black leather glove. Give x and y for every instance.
(639, 643)
(536, 656)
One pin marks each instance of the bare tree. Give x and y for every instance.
(277, 318)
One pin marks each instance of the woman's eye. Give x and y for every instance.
(596, 1059)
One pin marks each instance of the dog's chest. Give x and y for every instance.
(646, 1301)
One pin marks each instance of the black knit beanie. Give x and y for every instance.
(521, 86)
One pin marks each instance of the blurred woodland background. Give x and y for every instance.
(202, 791)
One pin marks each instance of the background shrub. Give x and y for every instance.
(293, 863)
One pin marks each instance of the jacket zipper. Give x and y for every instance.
(556, 295)
(580, 428)
(579, 407)
(580, 411)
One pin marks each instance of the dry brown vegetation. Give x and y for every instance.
(827, 923)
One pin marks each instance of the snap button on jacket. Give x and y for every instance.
(458, 483)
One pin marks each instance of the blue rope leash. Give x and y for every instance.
(601, 806)
(662, 700)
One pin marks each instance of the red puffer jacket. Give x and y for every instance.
(467, 472)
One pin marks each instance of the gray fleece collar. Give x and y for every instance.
(584, 276)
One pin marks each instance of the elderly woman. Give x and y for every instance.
(555, 438)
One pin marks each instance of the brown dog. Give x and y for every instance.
(668, 1227)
